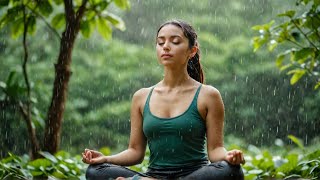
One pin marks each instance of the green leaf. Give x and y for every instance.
(317, 86)
(298, 74)
(45, 7)
(272, 44)
(258, 42)
(59, 174)
(289, 14)
(64, 167)
(48, 156)
(62, 154)
(279, 60)
(58, 2)
(290, 165)
(85, 28)
(264, 27)
(104, 28)
(116, 21)
(123, 4)
(14, 13)
(296, 140)
(58, 20)
(4, 2)
(32, 25)
(302, 54)
(255, 171)
(105, 150)
(3, 85)
(36, 173)
(17, 28)
(292, 176)
(40, 163)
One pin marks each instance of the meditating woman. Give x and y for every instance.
(179, 118)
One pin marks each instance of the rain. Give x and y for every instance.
(265, 108)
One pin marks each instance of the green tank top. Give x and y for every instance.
(177, 141)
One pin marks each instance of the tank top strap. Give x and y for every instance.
(195, 99)
(146, 106)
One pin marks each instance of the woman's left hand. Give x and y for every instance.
(235, 157)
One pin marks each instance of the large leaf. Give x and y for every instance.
(297, 75)
(32, 25)
(104, 28)
(289, 13)
(4, 3)
(49, 156)
(296, 140)
(17, 28)
(302, 54)
(58, 20)
(123, 4)
(45, 7)
(38, 163)
(116, 21)
(85, 28)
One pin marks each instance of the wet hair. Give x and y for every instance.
(194, 67)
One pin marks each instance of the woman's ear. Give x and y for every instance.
(194, 50)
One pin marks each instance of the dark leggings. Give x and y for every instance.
(216, 171)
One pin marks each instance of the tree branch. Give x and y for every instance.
(304, 34)
(81, 10)
(44, 20)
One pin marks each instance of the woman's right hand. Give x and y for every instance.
(93, 157)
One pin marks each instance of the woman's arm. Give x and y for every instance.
(137, 144)
(215, 123)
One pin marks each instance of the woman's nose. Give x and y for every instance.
(166, 46)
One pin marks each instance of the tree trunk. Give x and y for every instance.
(26, 109)
(62, 77)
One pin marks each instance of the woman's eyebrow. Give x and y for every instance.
(171, 37)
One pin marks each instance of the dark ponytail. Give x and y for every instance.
(194, 67)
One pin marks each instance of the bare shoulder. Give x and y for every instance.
(142, 93)
(210, 92)
(139, 98)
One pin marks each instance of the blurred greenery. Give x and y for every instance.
(279, 162)
(260, 104)
(299, 38)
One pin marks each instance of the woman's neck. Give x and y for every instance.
(175, 78)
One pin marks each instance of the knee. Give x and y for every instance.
(229, 170)
(94, 171)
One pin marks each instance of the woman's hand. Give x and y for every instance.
(235, 157)
(93, 157)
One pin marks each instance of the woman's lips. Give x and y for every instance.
(166, 55)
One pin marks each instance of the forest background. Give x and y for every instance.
(261, 105)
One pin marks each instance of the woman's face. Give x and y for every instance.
(172, 46)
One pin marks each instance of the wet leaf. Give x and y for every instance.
(58, 20)
(45, 8)
(104, 28)
(116, 21)
(4, 3)
(49, 156)
(289, 14)
(297, 75)
(123, 4)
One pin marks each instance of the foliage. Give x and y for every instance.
(58, 166)
(96, 16)
(264, 165)
(260, 104)
(299, 37)
(303, 162)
